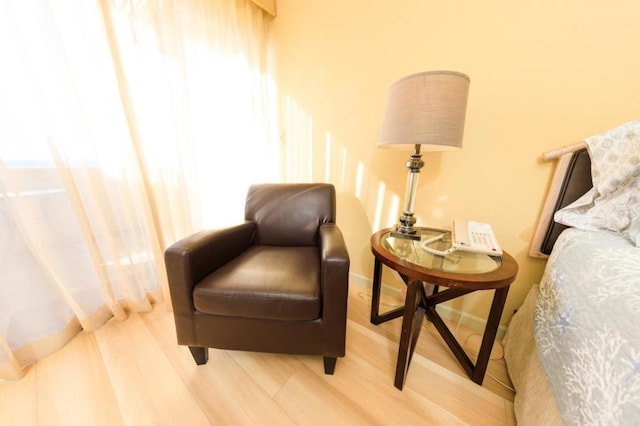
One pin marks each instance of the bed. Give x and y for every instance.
(573, 348)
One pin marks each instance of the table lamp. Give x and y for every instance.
(424, 110)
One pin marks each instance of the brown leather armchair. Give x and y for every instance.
(276, 283)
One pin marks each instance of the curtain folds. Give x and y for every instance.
(124, 126)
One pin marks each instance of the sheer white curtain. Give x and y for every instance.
(124, 125)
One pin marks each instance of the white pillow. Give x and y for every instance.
(613, 204)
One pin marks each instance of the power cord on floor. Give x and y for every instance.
(473, 352)
(500, 382)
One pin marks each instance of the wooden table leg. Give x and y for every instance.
(490, 331)
(376, 289)
(475, 371)
(411, 327)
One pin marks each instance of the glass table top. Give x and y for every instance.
(459, 262)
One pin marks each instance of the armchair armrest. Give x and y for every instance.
(192, 258)
(334, 276)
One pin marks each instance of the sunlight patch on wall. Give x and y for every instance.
(359, 180)
(377, 216)
(394, 209)
(298, 142)
(336, 164)
(343, 170)
(327, 156)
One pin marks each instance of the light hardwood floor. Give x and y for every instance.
(133, 373)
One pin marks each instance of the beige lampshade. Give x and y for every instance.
(428, 109)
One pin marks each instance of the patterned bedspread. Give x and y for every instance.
(587, 328)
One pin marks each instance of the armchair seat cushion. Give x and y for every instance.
(264, 282)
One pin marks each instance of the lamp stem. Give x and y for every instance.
(407, 220)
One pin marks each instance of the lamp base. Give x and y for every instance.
(405, 229)
(398, 234)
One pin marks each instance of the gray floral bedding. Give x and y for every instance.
(587, 327)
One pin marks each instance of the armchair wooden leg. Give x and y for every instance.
(329, 364)
(199, 354)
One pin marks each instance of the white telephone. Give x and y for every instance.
(471, 236)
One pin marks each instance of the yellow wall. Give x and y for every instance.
(543, 74)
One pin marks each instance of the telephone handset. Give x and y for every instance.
(471, 236)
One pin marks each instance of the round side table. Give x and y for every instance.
(424, 274)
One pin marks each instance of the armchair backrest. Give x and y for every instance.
(290, 214)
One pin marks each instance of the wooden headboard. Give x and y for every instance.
(571, 180)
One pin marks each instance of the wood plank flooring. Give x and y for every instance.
(133, 373)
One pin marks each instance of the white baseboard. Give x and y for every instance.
(470, 321)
